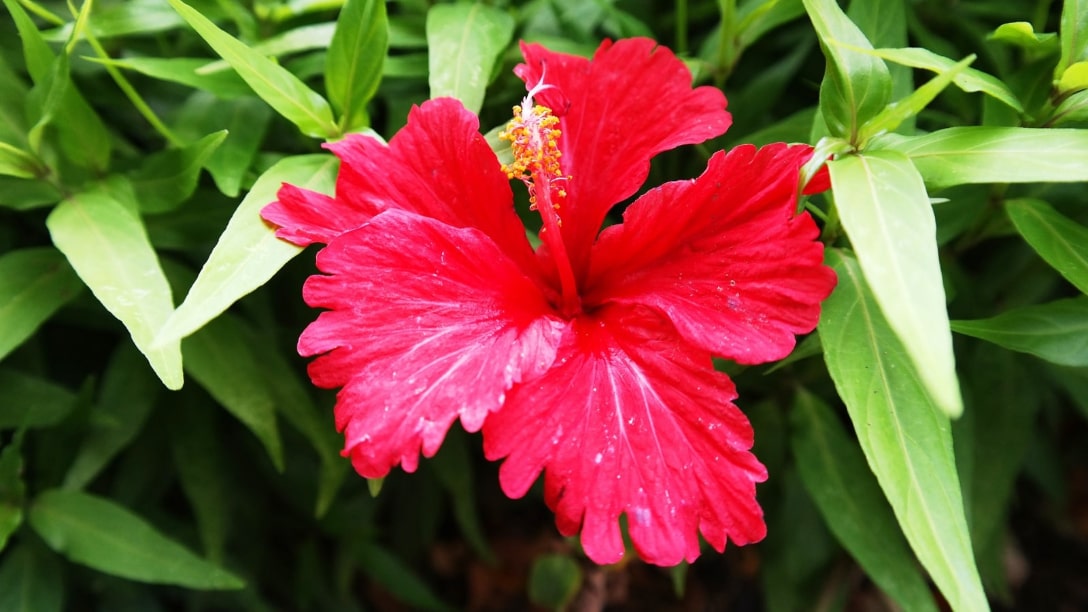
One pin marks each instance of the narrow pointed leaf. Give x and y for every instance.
(856, 86)
(959, 155)
(1062, 242)
(17, 162)
(833, 470)
(356, 54)
(464, 42)
(896, 113)
(29, 401)
(1073, 34)
(248, 252)
(225, 84)
(1056, 332)
(969, 80)
(275, 85)
(34, 284)
(886, 213)
(168, 178)
(905, 437)
(98, 533)
(222, 360)
(106, 243)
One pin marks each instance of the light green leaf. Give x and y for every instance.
(856, 86)
(34, 284)
(1059, 240)
(354, 65)
(128, 393)
(905, 437)
(225, 84)
(297, 40)
(29, 401)
(833, 470)
(275, 85)
(969, 80)
(222, 359)
(885, 211)
(554, 581)
(1072, 108)
(1075, 78)
(19, 163)
(248, 253)
(169, 177)
(1056, 332)
(959, 155)
(1074, 35)
(98, 533)
(465, 40)
(31, 580)
(142, 17)
(899, 111)
(106, 243)
(1023, 35)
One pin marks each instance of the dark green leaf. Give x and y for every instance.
(393, 574)
(1062, 242)
(856, 85)
(98, 533)
(282, 90)
(465, 41)
(106, 243)
(34, 284)
(246, 121)
(197, 447)
(356, 55)
(12, 490)
(31, 581)
(128, 393)
(905, 437)
(453, 467)
(169, 177)
(221, 358)
(886, 213)
(554, 581)
(833, 470)
(24, 194)
(1056, 332)
(248, 253)
(28, 401)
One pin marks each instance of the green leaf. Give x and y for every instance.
(465, 40)
(13, 123)
(453, 467)
(17, 162)
(833, 470)
(246, 121)
(1059, 240)
(885, 211)
(12, 490)
(897, 112)
(106, 243)
(1074, 35)
(169, 177)
(128, 393)
(905, 437)
(23, 194)
(1056, 332)
(393, 574)
(296, 40)
(1023, 35)
(248, 253)
(959, 155)
(98, 533)
(222, 359)
(197, 447)
(554, 581)
(31, 581)
(32, 402)
(111, 20)
(34, 284)
(1075, 78)
(856, 86)
(354, 65)
(225, 84)
(282, 90)
(969, 79)
(36, 52)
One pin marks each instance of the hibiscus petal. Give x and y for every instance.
(723, 256)
(438, 166)
(632, 101)
(632, 420)
(426, 323)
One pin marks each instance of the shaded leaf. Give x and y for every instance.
(169, 177)
(464, 42)
(885, 211)
(197, 448)
(34, 284)
(221, 359)
(248, 252)
(275, 85)
(833, 470)
(12, 490)
(395, 575)
(905, 437)
(1059, 240)
(246, 121)
(31, 581)
(1056, 332)
(354, 65)
(106, 243)
(554, 581)
(29, 401)
(98, 533)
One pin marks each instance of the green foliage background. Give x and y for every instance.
(161, 447)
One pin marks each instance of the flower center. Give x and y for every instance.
(533, 134)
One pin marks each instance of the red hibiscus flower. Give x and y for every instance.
(589, 358)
